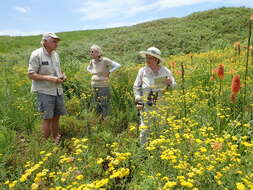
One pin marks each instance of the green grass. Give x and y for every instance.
(199, 31)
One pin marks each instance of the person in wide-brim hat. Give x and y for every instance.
(146, 83)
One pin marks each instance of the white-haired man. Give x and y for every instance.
(47, 77)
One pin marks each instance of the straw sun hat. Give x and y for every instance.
(153, 51)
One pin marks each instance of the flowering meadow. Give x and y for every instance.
(200, 134)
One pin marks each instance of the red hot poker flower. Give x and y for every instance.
(236, 84)
(220, 71)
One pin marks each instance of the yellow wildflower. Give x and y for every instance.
(34, 186)
(79, 177)
(169, 184)
(101, 183)
(100, 161)
(240, 186)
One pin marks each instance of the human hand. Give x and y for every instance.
(55, 79)
(139, 105)
(107, 74)
(64, 77)
(167, 81)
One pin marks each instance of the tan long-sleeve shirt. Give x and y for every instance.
(99, 71)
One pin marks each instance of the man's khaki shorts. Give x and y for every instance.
(51, 106)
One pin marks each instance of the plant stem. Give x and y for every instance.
(183, 88)
(246, 67)
(220, 88)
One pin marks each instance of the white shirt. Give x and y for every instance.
(146, 79)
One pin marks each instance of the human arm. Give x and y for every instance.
(114, 66)
(59, 72)
(111, 65)
(89, 67)
(39, 77)
(34, 70)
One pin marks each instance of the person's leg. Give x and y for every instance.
(104, 100)
(58, 111)
(46, 107)
(45, 127)
(143, 132)
(143, 137)
(55, 127)
(96, 99)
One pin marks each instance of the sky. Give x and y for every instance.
(33, 17)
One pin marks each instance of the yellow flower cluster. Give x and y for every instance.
(120, 173)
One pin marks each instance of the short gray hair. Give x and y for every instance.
(96, 48)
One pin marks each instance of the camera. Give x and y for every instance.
(152, 98)
(140, 103)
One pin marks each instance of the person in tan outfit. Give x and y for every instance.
(100, 67)
(47, 78)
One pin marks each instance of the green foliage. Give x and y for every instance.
(199, 31)
(71, 126)
(6, 138)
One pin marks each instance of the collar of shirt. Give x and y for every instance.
(150, 71)
(96, 62)
(46, 52)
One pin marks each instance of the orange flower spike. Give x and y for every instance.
(236, 84)
(220, 71)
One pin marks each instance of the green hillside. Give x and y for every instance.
(197, 32)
